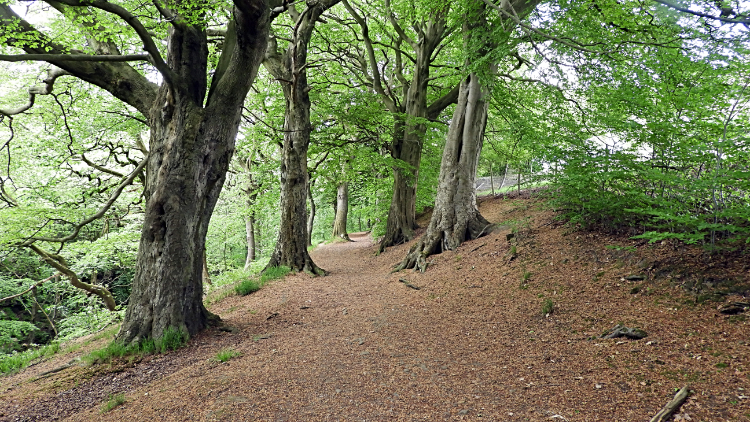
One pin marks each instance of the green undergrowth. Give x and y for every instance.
(254, 284)
(13, 362)
(172, 339)
(225, 355)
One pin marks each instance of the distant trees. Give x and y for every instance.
(627, 113)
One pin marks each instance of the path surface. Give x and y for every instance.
(471, 344)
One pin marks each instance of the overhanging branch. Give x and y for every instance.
(46, 89)
(74, 57)
(116, 194)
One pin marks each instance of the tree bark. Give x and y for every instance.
(311, 215)
(409, 132)
(342, 212)
(291, 69)
(191, 146)
(455, 217)
(410, 113)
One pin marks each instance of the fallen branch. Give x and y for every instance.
(671, 407)
(409, 285)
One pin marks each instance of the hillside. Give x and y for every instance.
(506, 328)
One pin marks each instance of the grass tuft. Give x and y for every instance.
(226, 355)
(114, 401)
(548, 306)
(13, 362)
(172, 339)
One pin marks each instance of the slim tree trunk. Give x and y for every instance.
(250, 236)
(456, 218)
(342, 212)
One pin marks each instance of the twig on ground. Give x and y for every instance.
(673, 405)
(409, 285)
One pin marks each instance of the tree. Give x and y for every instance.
(193, 128)
(456, 217)
(290, 69)
(407, 100)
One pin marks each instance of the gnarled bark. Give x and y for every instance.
(456, 218)
(191, 146)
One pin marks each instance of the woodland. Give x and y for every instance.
(154, 151)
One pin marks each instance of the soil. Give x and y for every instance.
(506, 328)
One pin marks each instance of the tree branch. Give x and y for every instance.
(376, 79)
(74, 57)
(120, 79)
(149, 45)
(703, 15)
(58, 262)
(37, 284)
(116, 194)
(52, 75)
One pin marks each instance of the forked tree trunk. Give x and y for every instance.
(342, 212)
(456, 218)
(190, 149)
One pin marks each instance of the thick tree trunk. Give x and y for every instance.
(190, 149)
(456, 218)
(250, 236)
(206, 275)
(342, 212)
(311, 215)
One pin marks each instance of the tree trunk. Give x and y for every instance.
(411, 114)
(206, 275)
(191, 146)
(456, 218)
(311, 216)
(342, 212)
(250, 234)
(409, 133)
(291, 68)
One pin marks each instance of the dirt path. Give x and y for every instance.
(470, 344)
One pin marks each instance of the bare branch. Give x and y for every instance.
(100, 168)
(58, 262)
(115, 195)
(74, 57)
(49, 83)
(37, 284)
